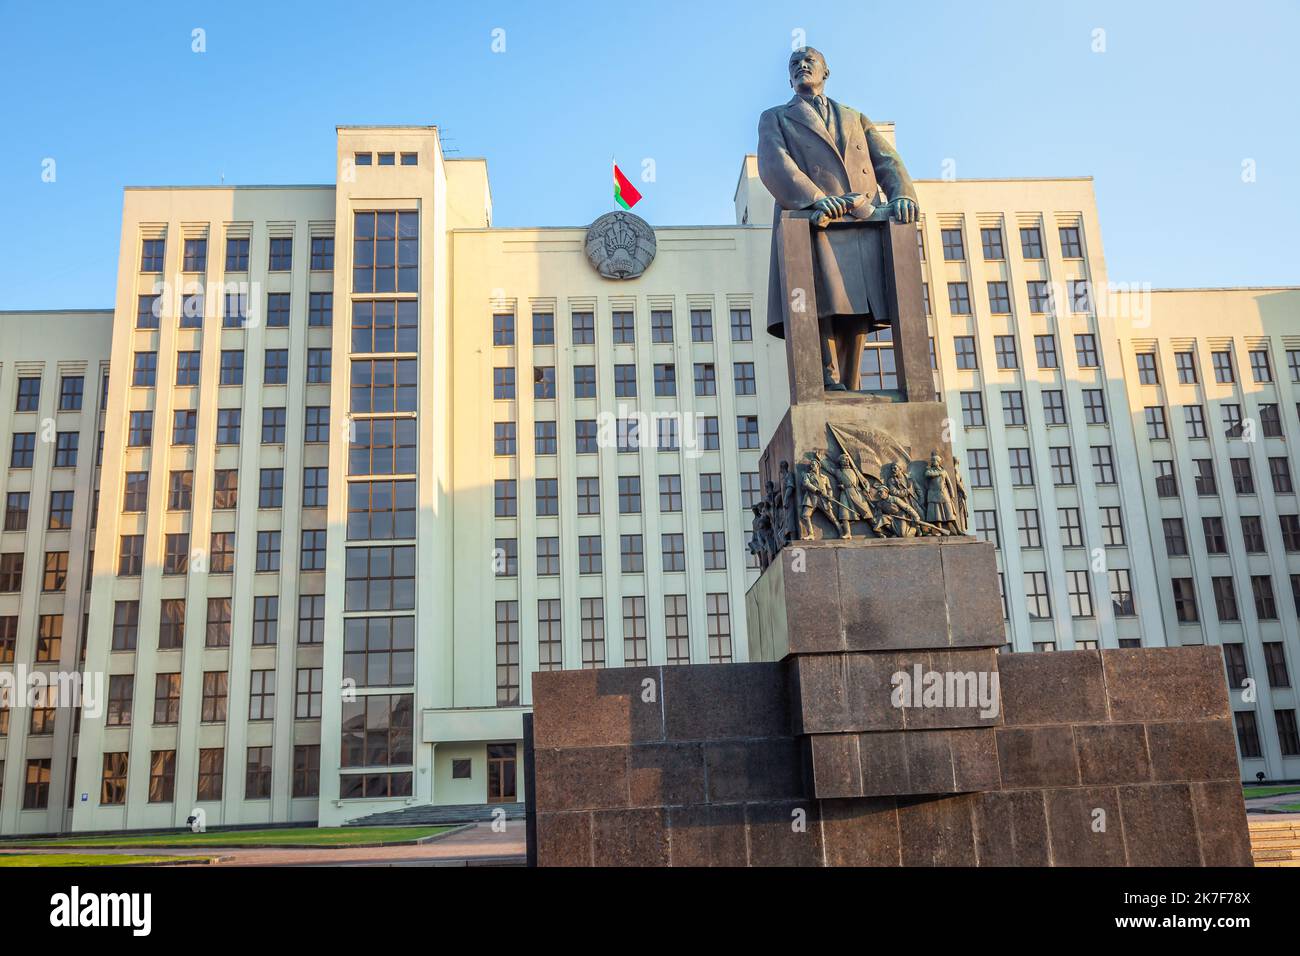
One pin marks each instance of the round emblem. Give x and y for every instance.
(620, 245)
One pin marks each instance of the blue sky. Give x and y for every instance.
(1163, 119)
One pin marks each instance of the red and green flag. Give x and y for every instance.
(625, 193)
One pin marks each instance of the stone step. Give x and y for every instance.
(432, 815)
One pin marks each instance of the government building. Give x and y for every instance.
(343, 465)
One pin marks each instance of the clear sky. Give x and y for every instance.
(1163, 118)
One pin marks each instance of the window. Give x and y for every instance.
(1080, 592)
(273, 425)
(378, 731)
(715, 550)
(1094, 406)
(221, 554)
(550, 642)
(674, 551)
(1260, 369)
(319, 368)
(17, 509)
(1287, 734)
(972, 409)
(218, 624)
(317, 424)
(266, 618)
(746, 431)
(379, 578)
(162, 776)
(544, 438)
(1031, 242)
(1085, 346)
(741, 328)
(281, 257)
(629, 494)
(1013, 408)
(311, 618)
(503, 328)
(184, 425)
(1243, 480)
(212, 765)
(176, 553)
(1166, 483)
(71, 390)
(624, 328)
(1205, 481)
(999, 298)
(130, 555)
(588, 496)
(711, 492)
(65, 449)
(121, 696)
(1194, 419)
(383, 446)
(1216, 540)
(1146, 366)
(978, 469)
(1022, 469)
(1070, 527)
(1053, 407)
(49, 639)
(23, 450)
(166, 698)
(543, 381)
(677, 630)
(986, 527)
(625, 381)
(1247, 734)
(1045, 350)
(1279, 470)
(381, 385)
(1290, 526)
(1155, 418)
(151, 255)
(257, 774)
(277, 310)
(1040, 297)
(701, 325)
(705, 379)
(507, 653)
(1175, 539)
(1121, 592)
(148, 311)
(270, 488)
(322, 253)
(503, 383)
(1269, 420)
(589, 558)
(584, 381)
(1222, 363)
(225, 489)
(548, 556)
(1232, 426)
(1261, 586)
(991, 240)
(547, 497)
(635, 645)
(171, 629)
(308, 693)
(586, 436)
(140, 432)
(543, 328)
(743, 375)
(237, 254)
(592, 632)
(953, 250)
(631, 554)
(1004, 347)
(1037, 601)
(385, 325)
(1252, 533)
(584, 328)
(313, 549)
(958, 298)
(1185, 601)
(503, 439)
(1027, 528)
(964, 345)
(1112, 526)
(60, 517)
(228, 424)
(1275, 662)
(1071, 245)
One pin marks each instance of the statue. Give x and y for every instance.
(789, 506)
(761, 543)
(772, 497)
(854, 498)
(815, 153)
(895, 518)
(939, 507)
(963, 509)
(901, 486)
(819, 495)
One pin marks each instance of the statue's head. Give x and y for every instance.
(845, 460)
(808, 71)
(935, 459)
(785, 466)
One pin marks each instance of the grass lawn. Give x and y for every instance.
(1290, 807)
(1253, 792)
(285, 836)
(89, 859)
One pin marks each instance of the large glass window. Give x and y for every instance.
(379, 651)
(385, 325)
(381, 509)
(384, 385)
(385, 252)
(380, 578)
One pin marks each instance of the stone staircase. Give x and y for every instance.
(1275, 842)
(429, 815)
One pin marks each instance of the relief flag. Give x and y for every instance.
(625, 193)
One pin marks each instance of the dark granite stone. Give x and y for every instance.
(1011, 828)
(929, 762)
(594, 708)
(1059, 688)
(662, 775)
(1166, 683)
(1080, 836)
(835, 768)
(869, 689)
(1221, 824)
(936, 831)
(1159, 826)
(1194, 750)
(564, 839)
(708, 702)
(860, 832)
(970, 577)
(780, 836)
(1037, 757)
(822, 694)
(909, 613)
(960, 670)
(974, 759)
(1112, 753)
(705, 835)
(629, 837)
(586, 779)
(883, 758)
(810, 575)
(742, 770)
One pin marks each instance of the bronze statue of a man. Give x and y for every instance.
(815, 153)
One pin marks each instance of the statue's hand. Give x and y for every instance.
(903, 209)
(831, 206)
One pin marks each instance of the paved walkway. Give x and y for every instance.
(1260, 803)
(478, 845)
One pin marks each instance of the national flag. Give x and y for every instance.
(625, 193)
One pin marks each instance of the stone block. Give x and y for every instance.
(742, 770)
(936, 831)
(564, 839)
(860, 832)
(1011, 828)
(708, 702)
(664, 775)
(1166, 683)
(1159, 825)
(1194, 750)
(704, 835)
(970, 580)
(968, 695)
(595, 708)
(784, 833)
(1221, 824)
(910, 612)
(836, 771)
(1084, 825)
(628, 837)
(581, 779)
(1112, 753)
(1059, 688)
(1037, 757)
